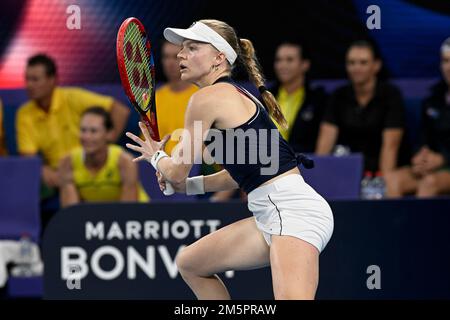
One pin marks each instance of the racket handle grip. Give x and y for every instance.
(169, 190)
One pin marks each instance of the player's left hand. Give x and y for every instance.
(148, 147)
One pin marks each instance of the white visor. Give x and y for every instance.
(201, 32)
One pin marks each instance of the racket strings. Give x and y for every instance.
(137, 66)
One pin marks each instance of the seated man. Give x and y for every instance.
(48, 124)
(98, 171)
(302, 105)
(429, 173)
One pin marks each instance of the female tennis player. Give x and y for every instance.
(292, 223)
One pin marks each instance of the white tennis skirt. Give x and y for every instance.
(290, 207)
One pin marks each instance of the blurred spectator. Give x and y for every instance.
(48, 124)
(367, 115)
(173, 97)
(429, 173)
(98, 171)
(302, 106)
(172, 100)
(2, 132)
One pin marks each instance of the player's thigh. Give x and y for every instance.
(238, 246)
(295, 268)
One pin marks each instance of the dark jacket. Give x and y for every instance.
(305, 130)
(436, 121)
(361, 128)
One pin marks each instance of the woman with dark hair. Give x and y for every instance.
(98, 171)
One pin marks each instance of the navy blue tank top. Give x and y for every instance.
(255, 151)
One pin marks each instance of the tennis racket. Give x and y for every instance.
(137, 73)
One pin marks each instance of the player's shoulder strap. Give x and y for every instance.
(241, 89)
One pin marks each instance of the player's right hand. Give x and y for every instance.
(178, 187)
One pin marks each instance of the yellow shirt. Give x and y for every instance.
(105, 185)
(2, 134)
(290, 106)
(56, 133)
(170, 110)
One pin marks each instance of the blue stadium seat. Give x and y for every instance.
(32, 287)
(19, 213)
(19, 193)
(336, 178)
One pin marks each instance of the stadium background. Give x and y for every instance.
(410, 35)
(409, 39)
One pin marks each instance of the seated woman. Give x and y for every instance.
(366, 115)
(98, 171)
(429, 172)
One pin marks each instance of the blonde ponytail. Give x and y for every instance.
(246, 52)
(248, 57)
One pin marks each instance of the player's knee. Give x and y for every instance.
(185, 262)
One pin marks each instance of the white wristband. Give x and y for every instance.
(158, 155)
(195, 185)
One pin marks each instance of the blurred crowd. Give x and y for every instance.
(75, 131)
